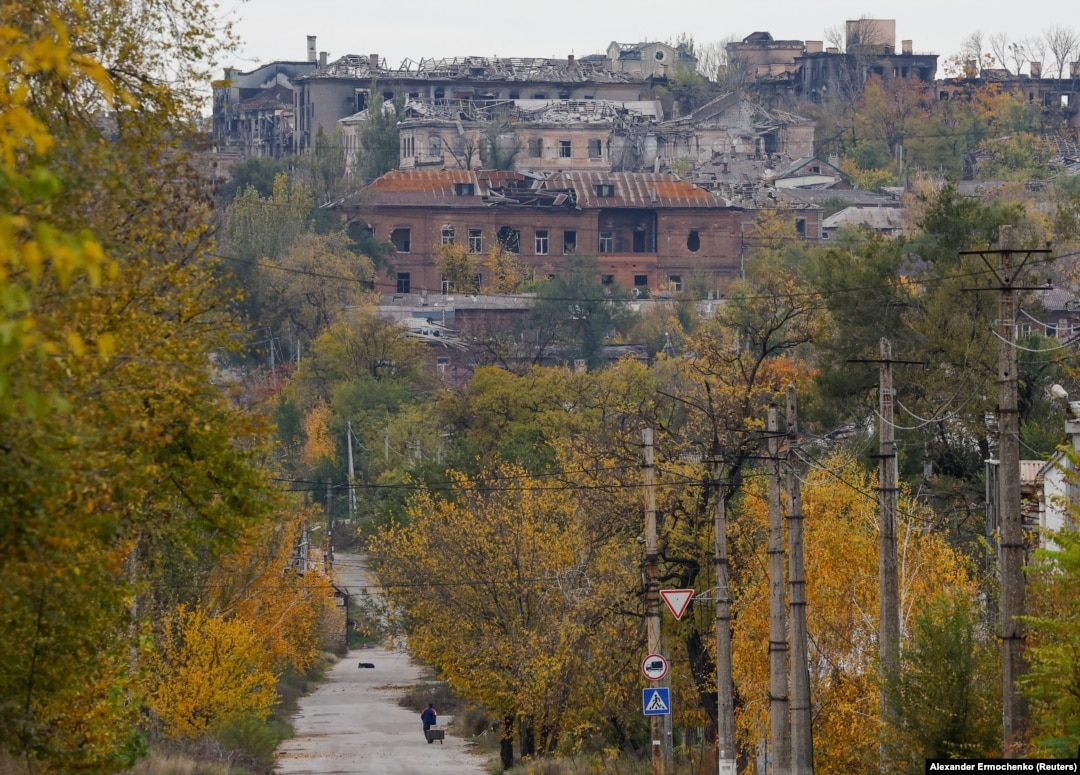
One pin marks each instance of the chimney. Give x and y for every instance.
(373, 61)
(322, 58)
(970, 68)
(832, 50)
(570, 60)
(814, 46)
(1074, 69)
(906, 47)
(1035, 68)
(311, 48)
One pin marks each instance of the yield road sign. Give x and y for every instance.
(656, 701)
(654, 667)
(678, 600)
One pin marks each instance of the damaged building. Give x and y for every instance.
(342, 88)
(649, 231)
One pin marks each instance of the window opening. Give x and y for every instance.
(541, 242)
(402, 282)
(693, 241)
(564, 149)
(510, 239)
(448, 235)
(401, 239)
(607, 242)
(476, 241)
(569, 242)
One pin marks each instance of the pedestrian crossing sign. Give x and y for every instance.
(656, 701)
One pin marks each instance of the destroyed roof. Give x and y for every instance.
(549, 111)
(726, 102)
(471, 68)
(798, 164)
(275, 97)
(873, 217)
(450, 188)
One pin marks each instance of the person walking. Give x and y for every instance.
(430, 718)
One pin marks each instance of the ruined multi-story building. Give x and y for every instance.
(343, 87)
(650, 59)
(253, 112)
(786, 71)
(649, 231)
(729, 140)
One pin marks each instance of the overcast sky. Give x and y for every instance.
(278, 29)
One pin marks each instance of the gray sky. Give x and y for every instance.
(278, 29)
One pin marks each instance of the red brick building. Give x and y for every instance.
(648, 230)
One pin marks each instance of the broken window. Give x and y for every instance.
(476, 241)
(569, 242)
(510, 239)
(674, 282)
(693, 241)
(536, 147)
(539, 96)
(595, 149)
(607, 242)
(440, 93)
(641, 281)
(608, 279)
(464, 189)
(446, 286)
(564, 149)
(800, 226)
(388, 96)
(605, 189)
(515, 94)
(402, 282)
(448, 235)
(400, 238)
(434, 145)
(541, 242)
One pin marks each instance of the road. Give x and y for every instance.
(353, 724)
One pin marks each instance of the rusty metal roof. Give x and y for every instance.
(580, 190)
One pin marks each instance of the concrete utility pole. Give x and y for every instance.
(802, 746)
(352, 472)
(889, 604)
(660, 741)
(779, 720)
(1011, 543)
(725, 684)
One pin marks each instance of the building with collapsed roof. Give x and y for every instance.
(649, 59)
(536, 134)
(730, 140)
(253, 112)
(785, 71)
(650, 231)
(343, 87)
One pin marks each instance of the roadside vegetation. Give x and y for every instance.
(177, 414)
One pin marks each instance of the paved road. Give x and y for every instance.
(353, 724)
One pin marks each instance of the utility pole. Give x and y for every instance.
(352, 472)
(802, 746)
(725, 684)
(888, 570)
(1011, 542)
(779, 720)
(329, 525)
(660, 741)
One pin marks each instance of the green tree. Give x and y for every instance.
(947, 695)
(380, 140)
(1053, 679)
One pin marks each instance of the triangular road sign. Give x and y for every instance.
(678, 600)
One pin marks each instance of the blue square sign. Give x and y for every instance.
(656, 701)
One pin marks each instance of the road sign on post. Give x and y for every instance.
(678, 600)
(654, 667)
(656, 701)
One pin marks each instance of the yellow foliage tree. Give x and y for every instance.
(287, 607)
(841, 553)
(209, 670)
(511, 591)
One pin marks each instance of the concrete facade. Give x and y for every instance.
(342, 88)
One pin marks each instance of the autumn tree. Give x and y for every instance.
(122, 456)
(520, 612)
